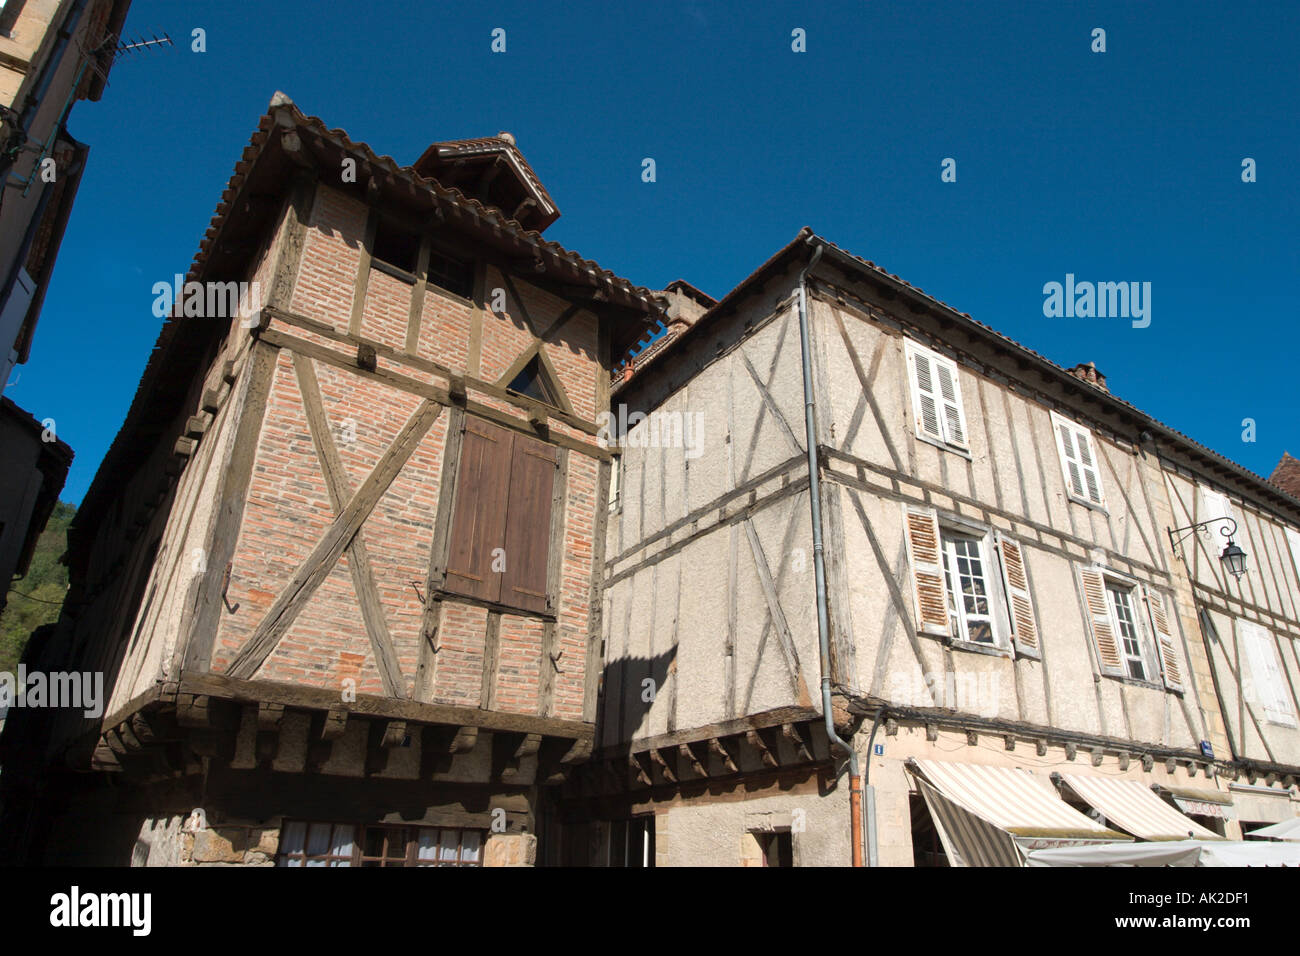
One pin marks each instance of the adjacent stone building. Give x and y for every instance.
(1013, 650)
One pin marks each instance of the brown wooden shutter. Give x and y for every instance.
(1170, 663)
(1024, 629)
(1103, 634)
(928, 585)
(528, 525)
(479, 521)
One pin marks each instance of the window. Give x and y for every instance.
(615, 481)
(396, 245)
(450, 274)
(532, 383)
(777, 848)
(969, 611)
(1264, 682)
(1126, 626)
(936, 397)
(347, 844)
(1131, 630)
(1078, 461)
(632, 842)
(969, 584)
(501, 521)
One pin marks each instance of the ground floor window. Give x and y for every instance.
(632, 842)
(777, 847)
(314, 843)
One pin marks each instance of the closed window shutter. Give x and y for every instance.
(528, 525)
(1024, 629)
(1103, 632)
(1293, 540)
(950, 394)
(925, 400)
(1214, 505)
(1267, 686)
(479, 520)
(928, 587)
(1171, 665)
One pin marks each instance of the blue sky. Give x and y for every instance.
(1115, 166)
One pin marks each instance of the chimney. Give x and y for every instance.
(1088, 372)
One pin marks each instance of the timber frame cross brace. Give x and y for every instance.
(352, 510)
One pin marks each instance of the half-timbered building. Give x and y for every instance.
(957, 626)
(338, 566)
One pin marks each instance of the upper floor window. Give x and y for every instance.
(969, 584)
(1264, 680)
(615, 481)
(1079, 462)
(936, 397)
(501, 522)
(965, 573)
(396, 245)
(1131, 631)
(1125, 620)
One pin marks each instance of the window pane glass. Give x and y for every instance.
(374, 841)
(448, 844)
(427, 848)
(318, 839)
(293, 837)
(470, 846)
(343, 839)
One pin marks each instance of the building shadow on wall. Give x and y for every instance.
(630, 687)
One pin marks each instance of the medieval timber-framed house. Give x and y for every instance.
(338, 566)
(1013, 649)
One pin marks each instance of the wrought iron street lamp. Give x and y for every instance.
(1233, 558)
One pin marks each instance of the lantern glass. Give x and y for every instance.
(1234, 560)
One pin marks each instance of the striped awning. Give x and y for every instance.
(1130, 805)
(986, 816)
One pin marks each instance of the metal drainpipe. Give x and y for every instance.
(819, 564)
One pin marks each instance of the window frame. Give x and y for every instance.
(358, 858)
(949, 534)
(1114, 587)
(1077, 431)
(912, 350)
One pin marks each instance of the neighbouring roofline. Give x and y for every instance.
(921, 303)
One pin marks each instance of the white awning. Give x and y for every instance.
(987, 815)
(1286, 830)
(1171, 853)
(1130, 805)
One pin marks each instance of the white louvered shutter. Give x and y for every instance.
(1171, 663)
(928, 586)
(1267, 686)
(1024, 628)
(925, 394)
(954, 424)
(1099, 621)
(1078, 460)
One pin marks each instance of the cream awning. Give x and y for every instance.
(1130, 805)
(986, 815)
